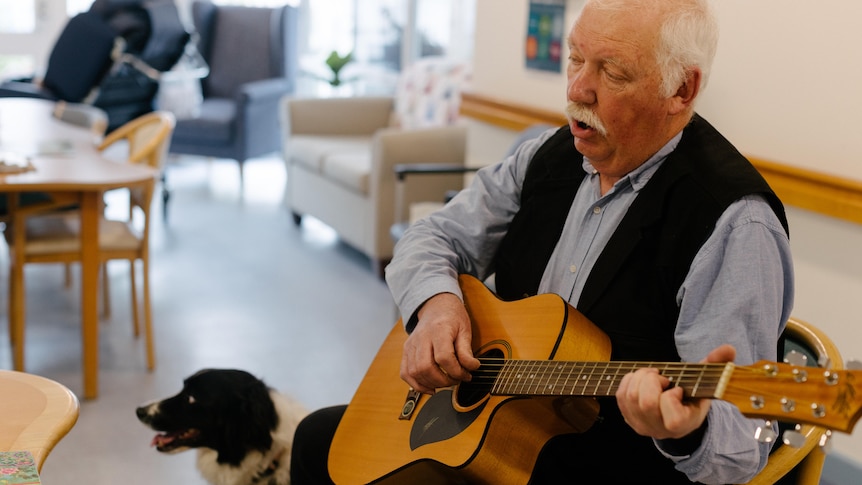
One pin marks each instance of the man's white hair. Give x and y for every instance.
(687, 37)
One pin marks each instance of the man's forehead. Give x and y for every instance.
(613, 34)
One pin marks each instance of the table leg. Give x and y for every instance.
(89, 291)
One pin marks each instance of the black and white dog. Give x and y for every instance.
(242, 429)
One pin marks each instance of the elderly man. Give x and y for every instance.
(642, 216)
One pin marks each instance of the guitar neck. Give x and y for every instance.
(595, 379)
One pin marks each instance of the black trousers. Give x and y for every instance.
(600, 455)
(311, 446)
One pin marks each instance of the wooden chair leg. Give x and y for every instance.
(106, 292)
(16, 315)
(10, 310)
(148, 318)
(136, 322)
(67, 275)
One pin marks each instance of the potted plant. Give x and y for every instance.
(337, 62)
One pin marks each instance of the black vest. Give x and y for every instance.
(631, 291)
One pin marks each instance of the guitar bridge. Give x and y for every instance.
(409, 404)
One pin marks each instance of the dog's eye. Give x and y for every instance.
(191, 399)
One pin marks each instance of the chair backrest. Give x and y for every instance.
(428, 93)
(80, 58)
(245, 44)
(801, 465)
(148, 137)
(85, 115)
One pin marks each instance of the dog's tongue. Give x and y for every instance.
(161, 440)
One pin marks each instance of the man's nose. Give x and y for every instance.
(581, 88)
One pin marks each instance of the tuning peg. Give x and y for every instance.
(765, 433)
(825, 442)
(796, 358)
(854, 365)
(792, 437)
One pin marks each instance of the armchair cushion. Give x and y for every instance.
(335, 117)
(213, 125)
(352, 171)
(240, 51)
(312, 151)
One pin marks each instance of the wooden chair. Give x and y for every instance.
(40, 234)
(802, 465)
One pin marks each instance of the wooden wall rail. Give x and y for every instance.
(826, 194)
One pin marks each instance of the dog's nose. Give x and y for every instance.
(143, 412)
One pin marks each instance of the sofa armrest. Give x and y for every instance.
(360, 116)
(438, 147)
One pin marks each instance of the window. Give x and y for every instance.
(381, 35)
(74, 7)
(19, 16)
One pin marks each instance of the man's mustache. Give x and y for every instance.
(580, 113)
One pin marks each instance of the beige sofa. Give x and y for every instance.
(340, 155)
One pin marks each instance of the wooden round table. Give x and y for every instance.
(35, 413)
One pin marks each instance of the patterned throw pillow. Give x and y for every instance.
(429, 93)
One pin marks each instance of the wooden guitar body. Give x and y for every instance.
(482, 436)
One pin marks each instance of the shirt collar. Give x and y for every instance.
(639, 177)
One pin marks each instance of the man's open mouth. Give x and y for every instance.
(584, 126)
(167, 442)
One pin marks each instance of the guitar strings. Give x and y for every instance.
(544, 377)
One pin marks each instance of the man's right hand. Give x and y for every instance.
(438, 353)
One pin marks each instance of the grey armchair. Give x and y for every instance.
(252, 57)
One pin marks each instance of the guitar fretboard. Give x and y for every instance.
(594, 379)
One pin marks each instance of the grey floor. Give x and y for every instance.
(235, 284)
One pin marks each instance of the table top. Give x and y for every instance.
(35, 413)
(64, 156)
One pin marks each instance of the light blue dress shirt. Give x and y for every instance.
(739, 289)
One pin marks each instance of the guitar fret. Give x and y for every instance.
(542, 380)
(524, 372)
(502, 378)
(513, 376)
(600, 379)
(584, 378)
(559, 367)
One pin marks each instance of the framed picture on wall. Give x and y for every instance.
(544, 42)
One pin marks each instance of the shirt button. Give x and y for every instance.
(597, 210)
(573, 268)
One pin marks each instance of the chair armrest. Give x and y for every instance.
(18, 89)
(360, 116)
(266, 90)
(402, 170)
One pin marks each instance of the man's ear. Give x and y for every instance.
(684, 98)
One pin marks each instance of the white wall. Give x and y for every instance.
(786, 86)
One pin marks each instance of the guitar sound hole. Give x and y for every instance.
(473, 392)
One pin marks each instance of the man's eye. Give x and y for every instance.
(614, 76)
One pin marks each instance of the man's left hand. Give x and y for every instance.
(653, 408)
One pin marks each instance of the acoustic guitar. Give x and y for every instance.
(542, 365)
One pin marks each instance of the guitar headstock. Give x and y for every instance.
(808, 395)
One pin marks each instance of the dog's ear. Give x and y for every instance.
(251, 427)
